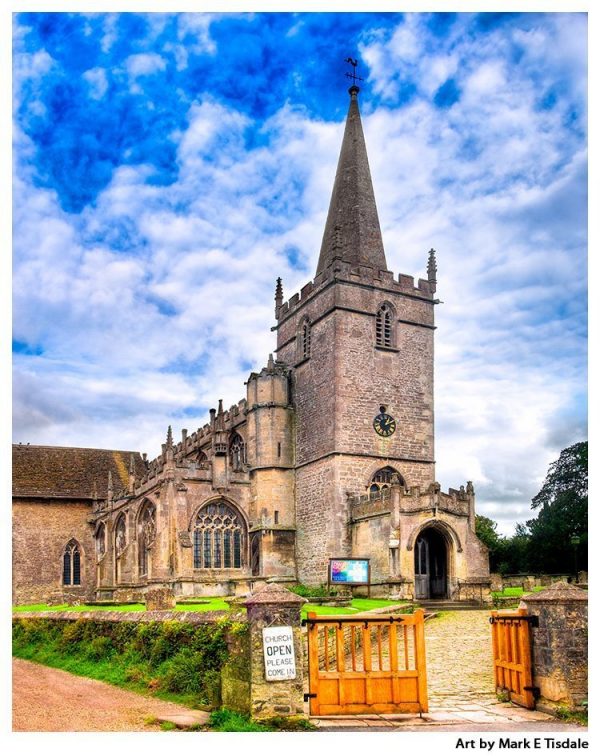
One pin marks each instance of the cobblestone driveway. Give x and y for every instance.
(459, 659)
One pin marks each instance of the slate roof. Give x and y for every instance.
(67, 472)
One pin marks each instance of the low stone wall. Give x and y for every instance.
(474, 589)
(527, 582)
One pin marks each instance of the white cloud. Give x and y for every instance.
(144, 64)
(194, 28)
(110, 28)
(96, 78)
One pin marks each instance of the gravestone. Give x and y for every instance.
(160, 599)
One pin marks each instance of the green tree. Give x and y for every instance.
(505, 557)
(562, 514)
(485, 529)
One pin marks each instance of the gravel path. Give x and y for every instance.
(51, 700)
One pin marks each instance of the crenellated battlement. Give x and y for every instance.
(223, 421)
(342, 272)
(413, 499)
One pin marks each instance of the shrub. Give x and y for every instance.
(168, 657)
(137, 675)
(72, 635)
(306, 591)
(99, 648)
(183, 672)
(186, 672)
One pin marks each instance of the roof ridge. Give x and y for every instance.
(78, 448)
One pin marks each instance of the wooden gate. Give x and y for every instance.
(367, 664)
(511, 644)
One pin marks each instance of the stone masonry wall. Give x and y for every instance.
(560, 644)
(319, 535)
(400, 378)
(322, 510)
(41, 530)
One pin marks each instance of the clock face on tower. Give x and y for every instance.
(384, 424)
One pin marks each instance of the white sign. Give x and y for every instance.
(278, 648)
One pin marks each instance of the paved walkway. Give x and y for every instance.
(460, 668)
(460, 683)
(51, 700)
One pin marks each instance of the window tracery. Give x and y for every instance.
(146, 535)
(72, 564)
(219, 537)
(101, 541)
(237, 452)
(120, 535)
(384, 326)
(383, 479)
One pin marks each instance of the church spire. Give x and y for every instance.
(352, 231)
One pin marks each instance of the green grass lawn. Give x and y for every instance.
(358, 605)
(517, 591)
(217, 603)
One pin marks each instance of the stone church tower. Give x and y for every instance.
(361, 346)
(330, 454)
(370, 346)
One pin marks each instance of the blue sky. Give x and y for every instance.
(167, 167)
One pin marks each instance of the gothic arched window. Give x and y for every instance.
(120, 535)
(202, 460)
(219, 537)
(384, 326)
(146, 534)
(72, 564)
(237, 452)
(101, 541)
(383, 479)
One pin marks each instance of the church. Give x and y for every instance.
(330, 454)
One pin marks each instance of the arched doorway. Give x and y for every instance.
(431, 565)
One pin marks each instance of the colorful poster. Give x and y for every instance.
(349, 571)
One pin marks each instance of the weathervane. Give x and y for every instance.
(353, 75)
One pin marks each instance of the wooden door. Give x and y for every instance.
(422, 568)
(437, 568)
(511, 645)
(362, 664)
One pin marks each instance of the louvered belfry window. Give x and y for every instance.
(383, 326)
(306, 339)
(72, 564)
(219, 534)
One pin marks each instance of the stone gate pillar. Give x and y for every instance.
(273, 606)
(560, 655)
